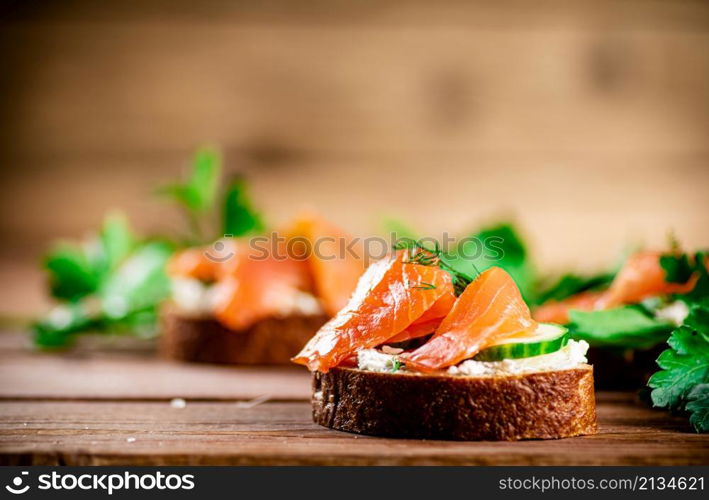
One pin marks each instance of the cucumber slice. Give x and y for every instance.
(547, 338)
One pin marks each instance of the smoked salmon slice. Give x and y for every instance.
(257, 281)
(489, 309)
(641, 277)
(390, 296)
(193, 263)
(429, 321)
(253, 287)
(558, 311)
(335, 259)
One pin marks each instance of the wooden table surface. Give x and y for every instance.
(100, 406)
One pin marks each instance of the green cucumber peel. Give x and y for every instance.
(536, 345)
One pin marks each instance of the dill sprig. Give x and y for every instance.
(419, 254)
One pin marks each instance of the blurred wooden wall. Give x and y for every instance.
(586, 119)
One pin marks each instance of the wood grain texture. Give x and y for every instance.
(125, 369)
(82, 408)
(109, 433)
(351, 89)
(678, 14)
(585, 118)
(53, 377)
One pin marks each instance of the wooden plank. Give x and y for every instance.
(678, 14)
(516, 108)
(281, 90)
(120, 372)
(75, 433)
(52, 377)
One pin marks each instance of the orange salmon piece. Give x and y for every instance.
(390, 296)
(558, 311)
(336, 263)
(489, 309)
(192, 263)
(641, 277)
(254, 287)
(429, 321)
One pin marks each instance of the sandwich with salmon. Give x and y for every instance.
(422, 351)
(628, 321)
(257, 301)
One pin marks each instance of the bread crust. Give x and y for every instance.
(544, 405)
(271, 341)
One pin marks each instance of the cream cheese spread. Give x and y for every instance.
(569, 356)
(675, 313)
(194, 297)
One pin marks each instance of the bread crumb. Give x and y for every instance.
(178, 403)
(130, 440)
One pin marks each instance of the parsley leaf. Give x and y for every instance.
(76, 270)
(700, 292)
(240, 218)
(627, 327)
(677, 268)
(139, 283)
(198, 193)
(71, 275)
(498, 245)
(114, 282)
(571, 284)
(200, 197)
(117, 240)
(109, 282)
(59, 326)
(682, 384)
(698, 407)
(686, 364)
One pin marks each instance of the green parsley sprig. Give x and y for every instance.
(113, 281)
(110, 282)
(200, 196)
(682, 384)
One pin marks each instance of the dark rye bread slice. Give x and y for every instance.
(271, 341)
(544, 405)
